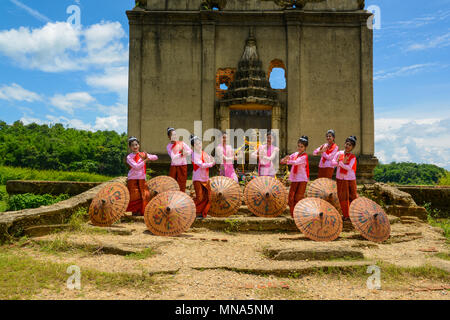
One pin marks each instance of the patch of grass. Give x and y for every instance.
(22, 277)
(141, 255)
(15, 173)
(443, 255)
(77, 221)
(232, 225)
(57, 245)
(396, 273)
(443, 223)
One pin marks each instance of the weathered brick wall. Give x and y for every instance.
(439, 197)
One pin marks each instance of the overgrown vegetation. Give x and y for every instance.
(3, 198)
(29, 201)
(410, 173)
(445, 180)
(15, 173)
(23, 277)
(435, 218)
(64, 149)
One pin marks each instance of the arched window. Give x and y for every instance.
(277, 75)
(224, 77)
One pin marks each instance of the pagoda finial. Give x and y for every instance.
(250, 33)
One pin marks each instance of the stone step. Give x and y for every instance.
(301, 269)
(317, 254)
(239, 223)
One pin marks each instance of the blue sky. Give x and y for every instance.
(51, 72)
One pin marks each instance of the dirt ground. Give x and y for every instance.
(206, 264)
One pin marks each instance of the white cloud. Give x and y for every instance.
(404, 71)
(60, 46)
(15, 92)
(31, 11)
(116, 123)
(431, 43)
(72, 123)
(113, 79)
(46, 49)
(71, 101)
(420, 141)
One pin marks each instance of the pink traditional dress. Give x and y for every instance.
(225, 156)
(299, 178)
(267, 155)
(202, 185)
(326, 167)
(139, 194)
(345, 179)
(178, 166)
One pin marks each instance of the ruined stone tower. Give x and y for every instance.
(183, 53)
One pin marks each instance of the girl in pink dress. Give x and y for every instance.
(266, 155)
(225, 157)
(201, 161)
(178, 152)
(139, 194)
(346, 176)
(328, 151)
(299, 175)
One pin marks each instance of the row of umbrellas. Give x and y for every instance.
(171, 212)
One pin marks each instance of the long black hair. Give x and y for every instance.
(193, 138)
(169, 131)
(331, 131)
(304, 140)
(352, 140)
(131, 140)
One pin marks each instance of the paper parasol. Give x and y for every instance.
(170, 213)
(317, 219)
(325, 189)
(162, 184)
(266, 197)
(109, 205)
(370, 219)
(226, 197)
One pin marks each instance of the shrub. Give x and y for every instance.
(29, 201)
(409, 173)
(12, 173)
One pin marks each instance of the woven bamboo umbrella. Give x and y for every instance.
(170, 213)
(266, 197)
(370, 219)
(109, 205)
(325, 189)
(317, 219)
(162, 184)
(226, 197)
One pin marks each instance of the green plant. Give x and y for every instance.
(445, 180)
(15, 173)
(29, 200)
(409, 173)
(141, 255)
(78, 220)
(232, 225)
(58, 148)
